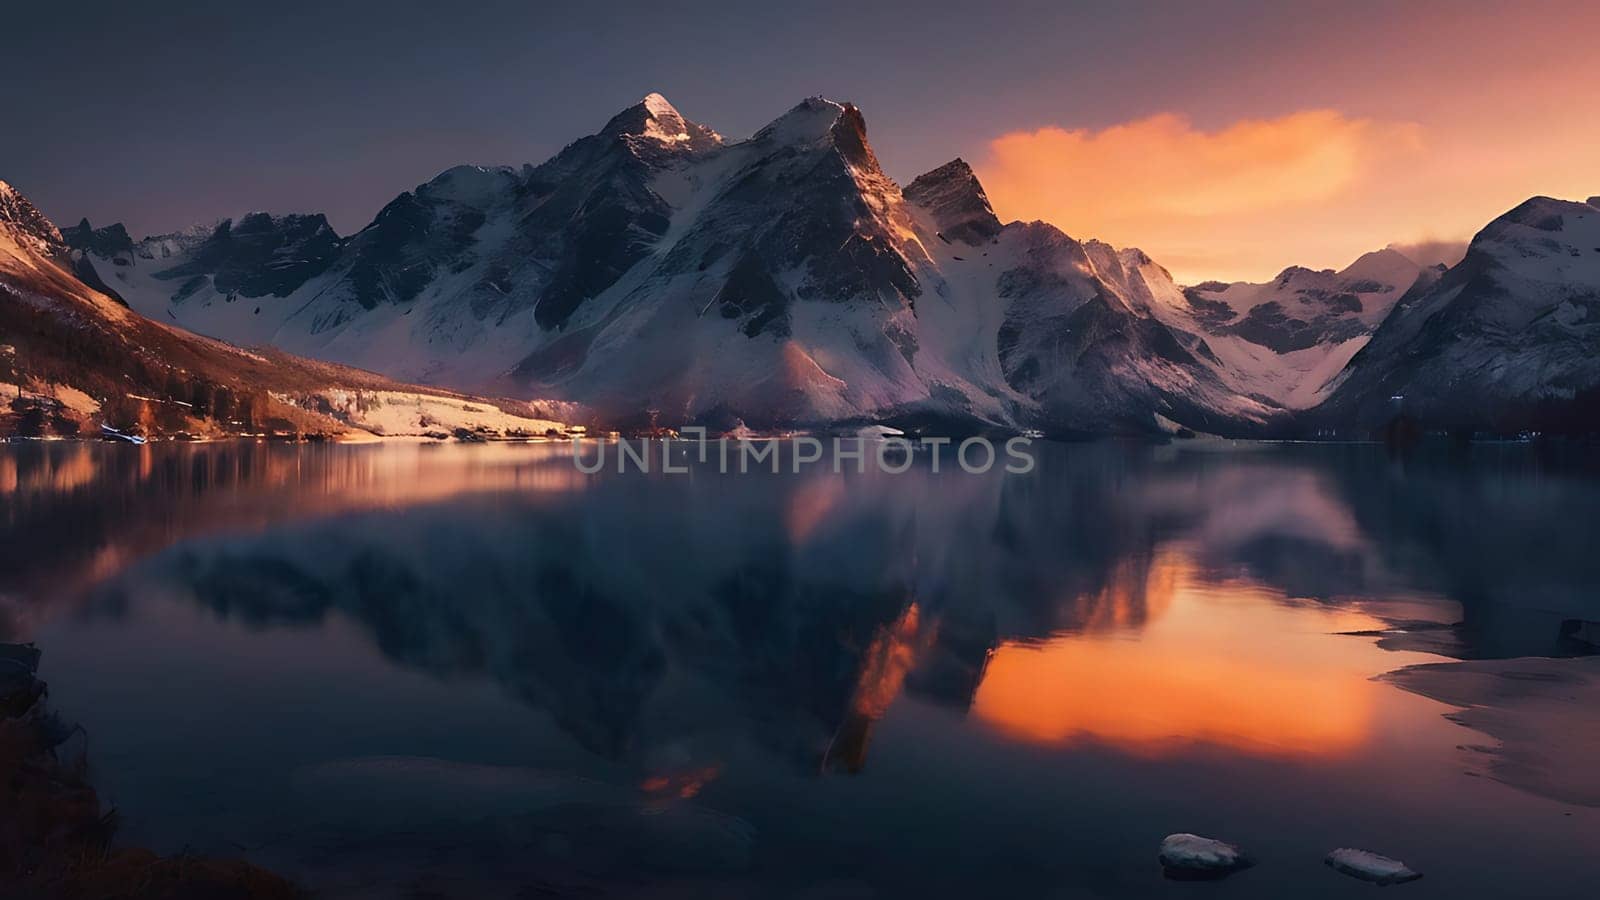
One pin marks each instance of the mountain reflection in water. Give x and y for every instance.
(1152, 602)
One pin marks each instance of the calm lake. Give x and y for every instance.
(472, 671)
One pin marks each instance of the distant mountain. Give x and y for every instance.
(1507, 340)
(1283, 340)
(1302, 308)
(73, 359)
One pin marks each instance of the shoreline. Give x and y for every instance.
(1543, 713)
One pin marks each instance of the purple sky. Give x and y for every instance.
(163, 114)
(160, 115)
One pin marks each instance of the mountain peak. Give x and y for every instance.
(1534, 216)
(1542, 239)
(819, 122)
(960, 208)
(1387, 267)
(850, 136)
(659, 106)
(809, 122)
(655, 119)
(108, 241)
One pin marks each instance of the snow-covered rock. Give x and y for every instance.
(1369, 866)
(1185, 855)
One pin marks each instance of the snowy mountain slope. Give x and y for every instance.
(1506, 340)
(72, 358)
(1068, 326)
(1244, 353)
(1283, 340)
(454, 281)
(224, 279)
(1301, 307)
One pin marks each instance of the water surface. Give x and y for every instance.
(472, 671)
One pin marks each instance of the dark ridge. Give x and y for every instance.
(850, 136)
(84, 269)
(109, 242)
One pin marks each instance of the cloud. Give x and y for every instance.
(1432, 252)
(1214, 199)
(1163, 165)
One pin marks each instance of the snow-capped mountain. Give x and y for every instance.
(657, 273)
(1505, 340)
(1070, 326)
(73, 358)
(654, 271)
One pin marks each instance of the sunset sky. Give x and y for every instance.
(1226, 139)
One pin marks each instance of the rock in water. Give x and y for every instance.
(1369, 866)
(1192, 857)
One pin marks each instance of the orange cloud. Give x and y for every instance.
(1163, 165)
(1431, 252)
(1315, 188)
(1241, 202)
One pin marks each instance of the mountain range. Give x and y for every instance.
(658, 273)
(74, 359)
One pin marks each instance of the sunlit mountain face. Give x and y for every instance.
(763, 659)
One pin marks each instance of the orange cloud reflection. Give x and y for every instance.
(1226, 666)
